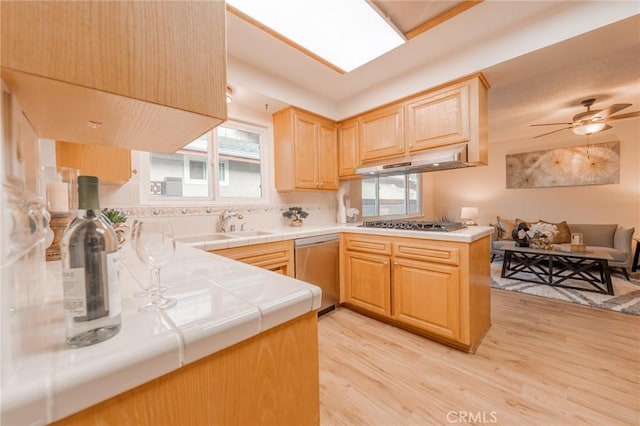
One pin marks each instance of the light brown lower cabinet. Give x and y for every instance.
(270, 379)
(425, 295)
(439, 289)
(276, 256)
(368, 281)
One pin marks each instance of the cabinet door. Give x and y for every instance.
(305, 140)
(382, 133)
(74, 64)
(348, 157)
(327, 157)
(426, 296)
(438, 119)
(111, 165)
(368, 282)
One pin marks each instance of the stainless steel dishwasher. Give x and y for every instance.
(317, 263)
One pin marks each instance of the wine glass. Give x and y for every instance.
(155, 245)
(148, 290)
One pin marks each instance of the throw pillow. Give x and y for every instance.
(564, 233)
(506, 227)
(497, 232)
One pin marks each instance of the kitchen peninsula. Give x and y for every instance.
(240, 347)
(433, 283)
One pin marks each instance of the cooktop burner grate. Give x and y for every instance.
(414, 225)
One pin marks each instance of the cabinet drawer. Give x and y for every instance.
(276, 256)
(428, 252)
(367, 244)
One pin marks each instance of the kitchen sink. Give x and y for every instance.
(205, 237)
(249, 233)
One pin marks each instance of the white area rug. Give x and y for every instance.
(626, 296)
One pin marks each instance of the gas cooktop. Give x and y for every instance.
(412, 225)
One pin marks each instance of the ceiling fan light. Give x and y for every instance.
(588, 129)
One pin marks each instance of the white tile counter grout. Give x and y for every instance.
(220, 303)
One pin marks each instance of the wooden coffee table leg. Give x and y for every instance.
(636, 256)
(604, 265)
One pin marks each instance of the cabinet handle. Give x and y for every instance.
(134, 171)
(395, 263)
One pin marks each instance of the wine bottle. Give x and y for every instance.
(91, 284)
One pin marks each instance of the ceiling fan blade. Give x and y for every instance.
(623, 116)
(559, 130)
(549, 124)
(609, 110)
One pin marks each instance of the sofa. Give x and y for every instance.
(610, 238)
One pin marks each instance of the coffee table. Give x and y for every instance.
(554, 267)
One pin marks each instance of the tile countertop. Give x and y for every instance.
(465, 235)
(221, 302)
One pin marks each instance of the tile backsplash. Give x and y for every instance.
(190, 220)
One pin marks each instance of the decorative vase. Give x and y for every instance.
(543, 242)
(296, 222)
(519, 235)
(121, 231)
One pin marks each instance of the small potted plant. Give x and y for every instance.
(118, 219)
(296, 214)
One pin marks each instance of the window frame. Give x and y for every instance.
(214, 198)
(378, 216)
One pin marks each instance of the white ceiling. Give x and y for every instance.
(541, 59)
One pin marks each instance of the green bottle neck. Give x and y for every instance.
(88, 194)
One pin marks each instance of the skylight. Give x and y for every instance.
(346, 33)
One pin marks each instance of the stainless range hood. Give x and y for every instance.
(449, 157)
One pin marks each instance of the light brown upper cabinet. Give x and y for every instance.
(146, 75)
(348, 157)
(450, 114)
(111, 165)
(441, 118)
(305, 151)
(456, 113)
(382, 133)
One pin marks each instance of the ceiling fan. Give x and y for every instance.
(591, 121)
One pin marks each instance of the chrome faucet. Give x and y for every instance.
(226, 216)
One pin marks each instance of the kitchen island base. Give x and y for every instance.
(437, 288)
(271, 378)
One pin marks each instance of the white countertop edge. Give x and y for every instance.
(466, 235)
(293, 306)
(79, 378)
(72, 393)
(200, 343)
(28, 403)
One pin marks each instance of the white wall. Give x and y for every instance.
(485, 187)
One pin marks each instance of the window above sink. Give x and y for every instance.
(226, 164)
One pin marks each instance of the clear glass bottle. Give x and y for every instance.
(89, 246)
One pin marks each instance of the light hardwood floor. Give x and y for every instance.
(543, 362)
